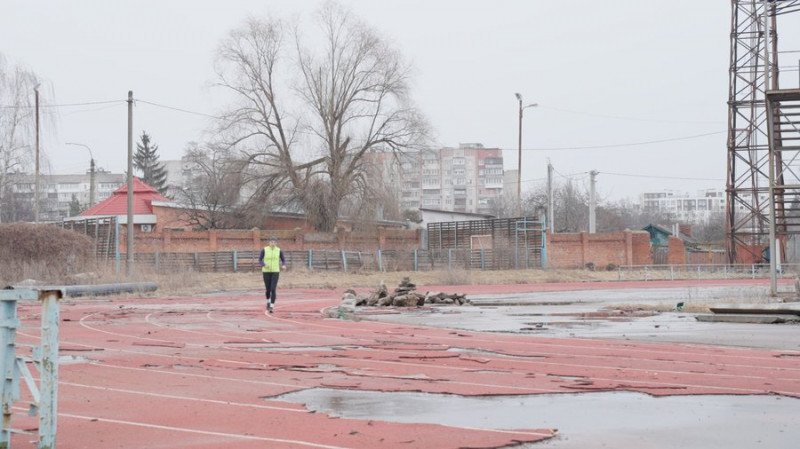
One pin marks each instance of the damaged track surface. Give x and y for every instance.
(207, 371)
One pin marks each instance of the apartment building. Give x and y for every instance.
(56, 194)
(686, 207)
(468, 178)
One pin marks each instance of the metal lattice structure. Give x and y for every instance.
(761, 175)
(501, 244)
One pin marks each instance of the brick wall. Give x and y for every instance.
(564, 250)
(170, 240)
(577, 250)
(676, 251)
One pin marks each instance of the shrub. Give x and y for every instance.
(42, 252)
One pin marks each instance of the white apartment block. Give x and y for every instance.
(56, 192)
(685, 207)
(692, 208)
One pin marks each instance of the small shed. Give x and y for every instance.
(659, 236)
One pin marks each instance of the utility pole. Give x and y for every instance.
(519, 160)
(91, 183)
(36, 180)
(551, 210)
(592, 202)
(129, 229)
(519, 153)
(91, 172)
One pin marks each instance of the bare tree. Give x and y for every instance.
(711, 230)
(349, 98)
(211, 190)
(571, 206)
(17, 121)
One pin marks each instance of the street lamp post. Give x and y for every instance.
(519, 158)
(36, 177)
(91, 171)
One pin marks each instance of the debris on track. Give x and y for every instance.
(404, 295)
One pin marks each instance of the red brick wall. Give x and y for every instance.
(576, 250)
(168, 240)
(750, 254)
(676, 251)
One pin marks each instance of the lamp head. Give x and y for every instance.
(519, 97)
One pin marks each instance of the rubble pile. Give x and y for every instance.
(405, 295)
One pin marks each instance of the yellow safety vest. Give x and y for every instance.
(272, 259)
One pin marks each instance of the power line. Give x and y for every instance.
(632, 144)
(186, 111)
(64, 105)
(635, 119)
(661, 177)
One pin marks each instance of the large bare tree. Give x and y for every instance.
(311, 108)
(17, 120)
(211, 190)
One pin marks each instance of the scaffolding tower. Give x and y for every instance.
(763, 186)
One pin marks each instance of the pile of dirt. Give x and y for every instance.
(42, 252)
(404, 295)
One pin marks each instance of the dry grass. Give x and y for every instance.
(42, 252)
(189, 282)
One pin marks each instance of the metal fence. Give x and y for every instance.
(703, 271)
(327, 260)
(421, 260)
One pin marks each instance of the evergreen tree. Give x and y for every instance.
(146, 161)
(75, 207)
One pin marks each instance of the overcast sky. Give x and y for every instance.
(634, 90)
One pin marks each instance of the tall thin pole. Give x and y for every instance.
(592, 202)
(551, 209)
(129, 230)
(519, 160)
(91, 171)
(91, 182)
(519, 153)
(36, 183)
(773, 256)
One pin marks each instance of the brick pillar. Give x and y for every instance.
(677, 251)
(628, 247)
(257, 238)
(299, 240)
(166, 240)
(212, 239)
(381, 238)
(584, 247)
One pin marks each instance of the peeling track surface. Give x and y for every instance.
(204, 372)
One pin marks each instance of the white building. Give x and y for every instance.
(692, 208)
(56, 193)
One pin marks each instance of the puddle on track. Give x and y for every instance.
(610, 419)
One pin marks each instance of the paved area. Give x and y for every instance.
(209, 371)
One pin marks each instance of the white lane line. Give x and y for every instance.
(184, 398)
(233, 436)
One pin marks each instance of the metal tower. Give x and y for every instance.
(762, 183)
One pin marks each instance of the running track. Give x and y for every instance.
(204, 372)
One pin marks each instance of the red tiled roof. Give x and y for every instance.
(117, 203)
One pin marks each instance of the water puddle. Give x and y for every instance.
(611, 419)
(71, 359)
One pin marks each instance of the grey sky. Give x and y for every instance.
(605, 75)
